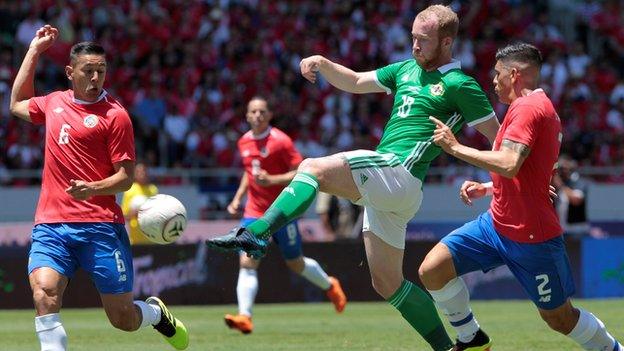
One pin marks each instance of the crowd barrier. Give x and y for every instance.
(192, 274)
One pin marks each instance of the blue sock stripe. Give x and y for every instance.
(463, 321)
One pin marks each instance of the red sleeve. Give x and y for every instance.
(121, 138)
(523, 127)
(37, 107)
(293, 157)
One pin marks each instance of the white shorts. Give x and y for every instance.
(391, 195)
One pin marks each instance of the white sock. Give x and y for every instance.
(453, 300)
(150, 313)
(591, 334)
(246, 290)
(313, 272)
(50, 332)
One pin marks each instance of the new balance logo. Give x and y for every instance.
(363, 179)
(545, 298)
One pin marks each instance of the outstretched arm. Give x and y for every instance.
(24, 86)
(339, 76)
(506, 161)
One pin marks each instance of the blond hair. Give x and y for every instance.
(448, 22)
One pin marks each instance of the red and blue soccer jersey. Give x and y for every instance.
(521, 207)
(275, 153)
(83, 141)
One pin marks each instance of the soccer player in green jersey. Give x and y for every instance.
(387, 182)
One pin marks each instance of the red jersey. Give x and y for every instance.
(272, 151)
(82, 142)
(521, 207)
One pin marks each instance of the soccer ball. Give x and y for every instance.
(162, 218)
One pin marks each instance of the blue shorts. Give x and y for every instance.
(288, 238)
(101, 249)
(543, 269)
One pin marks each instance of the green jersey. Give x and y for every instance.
(446, 93)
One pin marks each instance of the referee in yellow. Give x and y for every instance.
(133, 198)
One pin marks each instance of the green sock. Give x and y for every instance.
(419, 311)
(291, 203)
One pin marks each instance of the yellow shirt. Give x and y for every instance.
(148, 190)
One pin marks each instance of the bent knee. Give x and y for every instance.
(386, 285)
(437, 269)
(310, 166)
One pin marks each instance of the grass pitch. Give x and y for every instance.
(513, 326)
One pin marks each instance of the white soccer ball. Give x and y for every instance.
(162, 218)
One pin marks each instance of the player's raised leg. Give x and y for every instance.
(246, 290)
(330, 174)
(109, 262)
(386, 268)
(128, 315)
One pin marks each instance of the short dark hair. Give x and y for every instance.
(520, 52)
(86, 48)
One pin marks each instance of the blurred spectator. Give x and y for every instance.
(176, 127)
(207, 57)
(340, 218)
(308, 147)
(571, 198)
(28, 27)
(24, 154)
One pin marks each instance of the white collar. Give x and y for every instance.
(82, 102)
(449, 66)
(261, 135)
(538, 90)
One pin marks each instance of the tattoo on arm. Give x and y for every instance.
(520, 148)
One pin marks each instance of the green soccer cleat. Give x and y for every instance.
(170, 327)
(480, 342)
(240, 239)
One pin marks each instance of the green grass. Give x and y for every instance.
(513, 326)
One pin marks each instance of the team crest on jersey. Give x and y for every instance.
(436, 89)
(264, 152)
(90, 121)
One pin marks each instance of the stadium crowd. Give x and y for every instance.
(185, 69)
